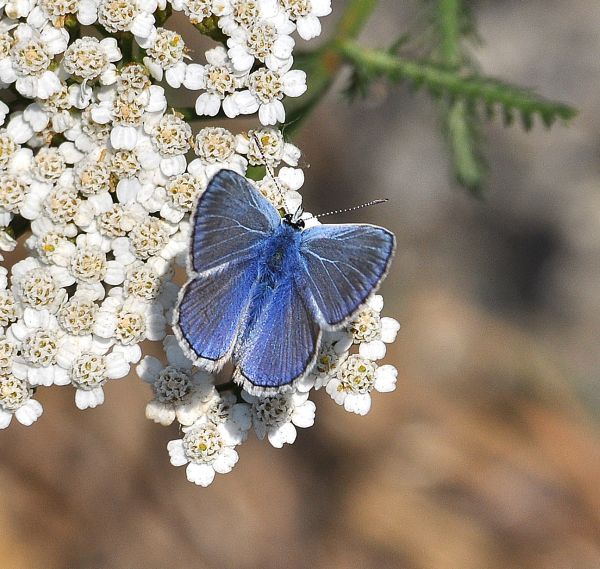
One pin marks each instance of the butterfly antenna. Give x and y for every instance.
(326, 214)
(269, 169)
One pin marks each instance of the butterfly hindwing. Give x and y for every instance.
(280, 341)
(210, 310)
(343, 265)
(231, 221)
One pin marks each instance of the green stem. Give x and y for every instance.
(100, 29)
(449, 30)
(462, 133)
(125, 40)
(210, 27)
(72, 27)
(162, 16)
(460, 122)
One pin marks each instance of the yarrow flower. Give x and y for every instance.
(267, 40)
(306, 14)
(371, 331)
(354, 380)
(105, 171)
(88, 59)
(16, 400)
(277, 416)
(217, 81)
(178, 391)
(88, 365)
(267, 87)
(207, 449)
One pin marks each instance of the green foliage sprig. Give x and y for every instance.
(454, 83)
(464, 95)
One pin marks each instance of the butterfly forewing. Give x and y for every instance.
(343, 265)
(230, 223)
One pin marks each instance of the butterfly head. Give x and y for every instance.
(294, 219)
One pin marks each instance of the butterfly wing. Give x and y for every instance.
(342, 266)
(280, 341)
(210, 310)
(231, 221)
(231, 225)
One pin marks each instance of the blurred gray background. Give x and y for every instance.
(488, 454)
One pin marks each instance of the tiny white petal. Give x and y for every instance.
(304, 415)
(161, 414)
(374, 350)
(41, 376)
(294, 83)
(61, 376)
(5, 418)
(124, 137)
(149, 369)
(285, 433)
(292, 178)
(201, 474)
(29, 413)
(111, 49)
(173, 166)
(376, 302)
(177, 453)
(143, 24)
(115, 273)
(246, 102)
(321, 8)
(358, 403)
(208, 104)
(269, 113)
(309, 27)
(85, 399)
(225, 461)
(385, 378)
(19, 129)
(194, 77)
(175, 75)
(36, 117)
(389, 329)
(116, 366)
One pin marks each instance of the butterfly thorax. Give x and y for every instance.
(281, 255)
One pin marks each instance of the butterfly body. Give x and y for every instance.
(280, 258)
(263, 288)
(277, 272)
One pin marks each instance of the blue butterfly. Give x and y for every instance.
(262, 287)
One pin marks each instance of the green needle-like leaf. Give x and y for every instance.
(454, 83)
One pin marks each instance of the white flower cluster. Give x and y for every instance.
(215, 420)
(104, 175)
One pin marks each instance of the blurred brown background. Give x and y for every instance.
(488, 454)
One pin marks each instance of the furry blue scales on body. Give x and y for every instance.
(261, 289)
